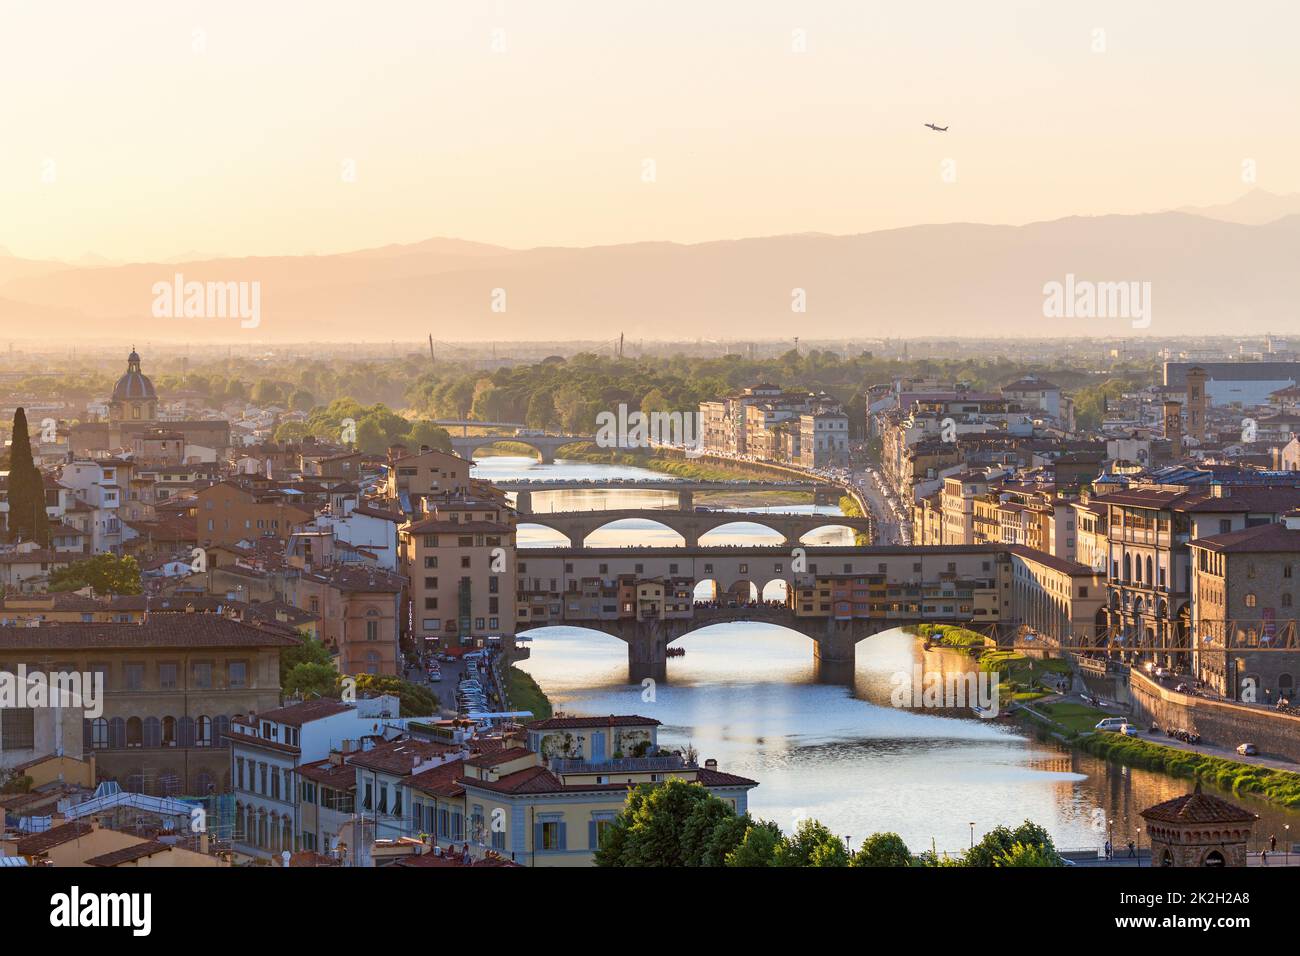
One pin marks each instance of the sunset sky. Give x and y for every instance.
(159, 128)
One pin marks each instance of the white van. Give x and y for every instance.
(1112, 723)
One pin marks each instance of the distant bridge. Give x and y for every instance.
(824, 493)
(545, 445)
(577, 526)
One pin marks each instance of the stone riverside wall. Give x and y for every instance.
(1222, 723)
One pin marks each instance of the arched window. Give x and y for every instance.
(169, 731)
(1250, 599)
(203, 731)
(1150, 578)
(134, 732)
(99, 733)
(1286, 599)
(372, 662)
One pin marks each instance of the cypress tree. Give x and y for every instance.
(26, 488)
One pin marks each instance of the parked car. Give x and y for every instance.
(1128, 730)
(1248, 750)
(1112, 723)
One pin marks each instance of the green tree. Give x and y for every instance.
(759, 846)
(106, 573)
(812, 844)
(425, 432)
(653, 826)
(291, 432)
(416, 701)
(999, 842)
(310, 680)
(310, 651)
(882, 849)
(727, 835)
(698, 830)
(1026, 854)
(27, 518)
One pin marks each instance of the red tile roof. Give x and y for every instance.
(572, 723)
(401, 756)
(159, 631)
(39, 843)
(129, 854)
(1195, 808)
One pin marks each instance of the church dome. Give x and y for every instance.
(134, 386)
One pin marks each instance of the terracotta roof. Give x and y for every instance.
(569, 723)
(1198, 807)
(716, 778)
(160, 630)
(352, 577)
(441, 526)
(39, 556)
(439, 781)
(128, 854)
(374, 512)
(1264, 537)
(340, 776)
(295, 715)
(400, 756)
(530, 780)
(39, 843)
(452, 859)
(496, 757)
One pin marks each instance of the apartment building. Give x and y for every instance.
(229, 512)
(172, 683)
(1059, 601)
(267, 750)
(460, 559)
(1149, 560)
(427, 474)
(360, 609)
(1244, 588)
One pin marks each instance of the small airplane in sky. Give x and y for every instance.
(937, 129)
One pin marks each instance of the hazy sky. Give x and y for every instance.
(153, 128)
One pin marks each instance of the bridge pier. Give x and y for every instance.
(685, 501)
(524, 502)
(826, 495)
(647, 649)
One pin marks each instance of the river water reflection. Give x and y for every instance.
(746, 695)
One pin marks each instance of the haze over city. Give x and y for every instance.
(237, 131)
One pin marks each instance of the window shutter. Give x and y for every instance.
(537, 837)
(564, 843)
(591, 835)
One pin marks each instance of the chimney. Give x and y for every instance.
(710, 764)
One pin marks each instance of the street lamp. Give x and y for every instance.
(972, 834)
(1286, 846)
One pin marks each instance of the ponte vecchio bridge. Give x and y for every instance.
(581, 587)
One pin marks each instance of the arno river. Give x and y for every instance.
(745, 694)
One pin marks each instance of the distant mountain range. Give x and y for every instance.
(1219, 269)
(1253, 209)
